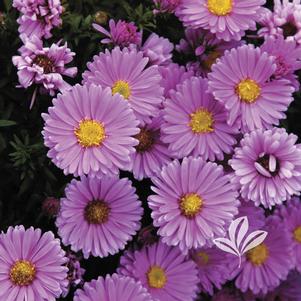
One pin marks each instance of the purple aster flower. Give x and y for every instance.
(241, 80)
(163, 270)
(284, 21)
(112, 288)
(213, 268)
(288, 290)
(291, 217)
(32, 265)
(173, 75)
(126, 73)
(197, 124)
(267, 165)
(89, 131)
(264, 266)
(99, 217)
(228, 19)
(194, 202)
(44, 66)
(121, 33)
(287, 55)
(165, 6)
(38, 17)
(158, 50)
(151, 153)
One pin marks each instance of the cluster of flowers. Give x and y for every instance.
(206, 134)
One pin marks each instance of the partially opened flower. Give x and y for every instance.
(126, 73)
(121, 33)
(165, 6)
(267, 165)
(163, 270)
(241, 80)
(194, 202)
(89, 131)
(195, 123)
(266, 265)
(227, 19)
(112, 288)
(32, 265)
(99, 217)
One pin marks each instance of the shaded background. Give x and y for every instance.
(27, 176)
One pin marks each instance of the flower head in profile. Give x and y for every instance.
(241, 80)
(38, 17)
(98, 217)
(227, 19)
(162, 270)
(112, 288)
(121, 33)
(27, 273)
(89, 131)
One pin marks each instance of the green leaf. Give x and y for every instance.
(4, 123)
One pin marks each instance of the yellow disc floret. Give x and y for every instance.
(123, 88)
(220, 7)
(22, 273)
(248, 90)
(191, 204)
(258, 255)
(156, 277)
(201, 121)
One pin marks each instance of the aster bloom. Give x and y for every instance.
(163, 270)
(89, 131)
(213, 270)
(264, 266)
(151, 153)
(99, 217)
(44, 66)
(291, 218)
(228, 19)
(195, 123)
(121, 33)
(112, 288)
(165, 6)
(241, 81)
(194, 202)
(125, 72)
(285, 21)
(158, 50)
(38, 17)
(27, 273)
(267, 164)
(287, 58)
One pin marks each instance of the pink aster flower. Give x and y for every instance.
(165, 6)
(284, 21)
(44, 66)
(32, 265)
(194, 202)
(38, 17)
(99, 217)
(241, 80)
(163, 270)
(228, 19)
(126, 73)
(291, 218)
(151, 153)
(121, 33)
(89, 131)
(264, 266)
(213, 268)
(287, 58)
(267, 165)
(196, 124)
(112, 288)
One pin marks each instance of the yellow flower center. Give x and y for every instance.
(96, 212)
(204, 257)
(123, 88)
(211, 59)
(258, 255)
(90, 133)
(156, 277)
(220, 7)
(297, 234)
(190, 204)
(201, 121)
(22, 273)
(248, 90)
